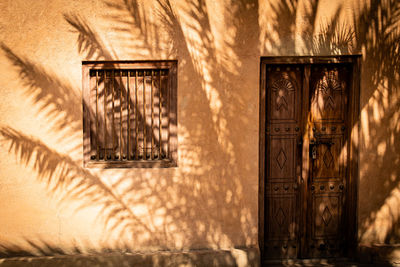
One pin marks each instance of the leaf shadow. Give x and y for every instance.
(208, 204)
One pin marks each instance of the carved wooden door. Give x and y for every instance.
(326, 131)
(306, 159)
(283, 160)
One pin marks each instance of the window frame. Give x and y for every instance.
(171, 160)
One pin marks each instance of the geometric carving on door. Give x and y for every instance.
(306, 197)
(328, 158)
(282, 87)
(330, 103)
(326, 216)
(280, 217)
(328, 99)
(282, 212)
(281, 159)
(283, 94)
(327, 84)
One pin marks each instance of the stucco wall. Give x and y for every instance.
(211, 199)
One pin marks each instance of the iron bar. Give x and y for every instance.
(152, 117)
(97, 116)
(136, 118)
(160, 117)
(105, 115)
(168, 114)
(128, 98)
(112, 112)
(144, 116)
(120, 115)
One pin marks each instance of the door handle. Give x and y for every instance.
(314, 142)
(313, 148)
(318, 141)
(329, 143)
(314, 152)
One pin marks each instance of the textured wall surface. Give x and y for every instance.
(211, 199)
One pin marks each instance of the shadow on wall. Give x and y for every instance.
(233, 257)
(378, 36)
(165, 211)
(207, 201)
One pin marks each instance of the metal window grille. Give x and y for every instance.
(130, 114)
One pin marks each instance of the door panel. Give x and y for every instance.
(283, 154)
(326, 195)
(282, 209)
(283, 134)
(329, 163)
(305, 184)
(284, 89)
(329, 87)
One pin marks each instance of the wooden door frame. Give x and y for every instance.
(352, 133)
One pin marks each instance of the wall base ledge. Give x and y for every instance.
(240, 257)
(379, 254)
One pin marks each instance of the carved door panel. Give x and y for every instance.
(329, 86)
(284, 85)
(306, 159)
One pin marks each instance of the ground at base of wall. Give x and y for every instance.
(367, 257)
(323, 262)
(379, 254)
(233, 257)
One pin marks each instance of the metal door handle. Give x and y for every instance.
(314, 152)
(318, 141)
(329, 143)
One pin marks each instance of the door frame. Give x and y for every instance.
(352, 132)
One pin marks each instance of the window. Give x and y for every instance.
(129, 113)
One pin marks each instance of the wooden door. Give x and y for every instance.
(307, 175)
(328, 153)
(284, 88)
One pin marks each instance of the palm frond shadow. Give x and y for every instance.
(62, 174)
(377, 35)
(48, 255)
(284, 23)
(38, 247)
(215, 199)
(91, 45)
(212, 191)
(89, 41)
(334, 37)
(59, 171)
(53, 96)
(174, 30)
(145, 32)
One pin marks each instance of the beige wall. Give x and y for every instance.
(211, 199)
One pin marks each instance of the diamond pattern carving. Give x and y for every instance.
(280, 217)
(326, 216)
(281, 159)
(328, 158)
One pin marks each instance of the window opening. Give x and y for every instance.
(130, 114)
